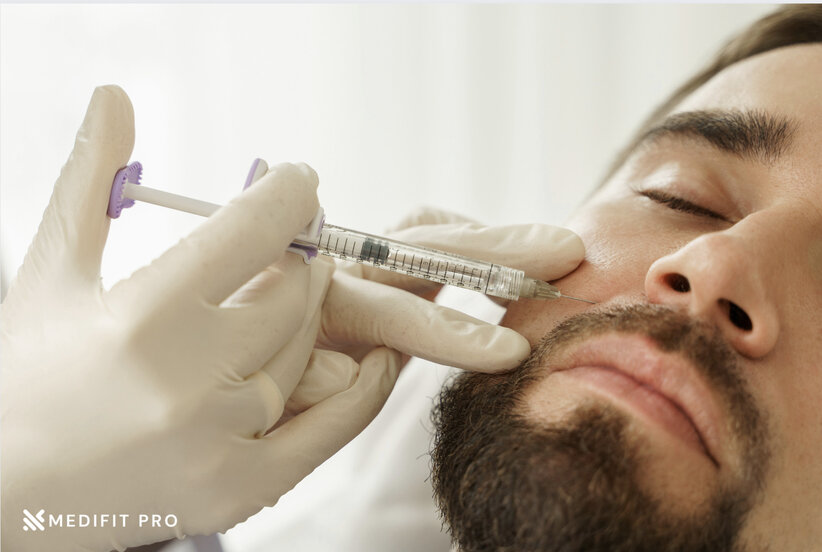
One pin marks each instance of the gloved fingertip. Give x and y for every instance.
(301, 172)
(311, 175)
(109, 113)
(384, 365)
(271, 397)
(558, 252)
(502, 349)
(394, 363)
(571, 244)
(112, 90)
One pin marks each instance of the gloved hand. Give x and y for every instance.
(148, 399)
(367, 307)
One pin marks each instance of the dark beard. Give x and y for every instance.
(506, 483)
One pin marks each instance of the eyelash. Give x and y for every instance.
(678, 204)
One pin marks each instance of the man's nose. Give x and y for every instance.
(720, 278)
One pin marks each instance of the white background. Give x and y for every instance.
(504, 113)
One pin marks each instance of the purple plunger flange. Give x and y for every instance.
(308, 252)
(116, 202)
(249, 180)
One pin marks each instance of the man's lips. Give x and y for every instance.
(663, 387)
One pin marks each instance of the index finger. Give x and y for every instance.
(359, 312)
(541, 250)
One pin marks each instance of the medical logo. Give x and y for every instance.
(38, 522)
(32, 522)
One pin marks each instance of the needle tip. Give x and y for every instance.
(578, 299)
(538, 289)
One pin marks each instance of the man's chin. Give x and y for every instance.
(576, 485)
(680, 477)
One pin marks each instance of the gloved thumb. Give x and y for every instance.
(69, 242)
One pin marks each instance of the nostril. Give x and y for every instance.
(738, 317)
(678, 283)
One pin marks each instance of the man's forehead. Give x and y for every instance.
(784, 82)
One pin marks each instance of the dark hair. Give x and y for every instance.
(787, 26)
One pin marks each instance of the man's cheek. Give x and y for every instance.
(526, 317)
(533, 318)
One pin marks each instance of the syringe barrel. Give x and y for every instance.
(420, 262)
(505, 282)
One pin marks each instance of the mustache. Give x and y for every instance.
(673, 332)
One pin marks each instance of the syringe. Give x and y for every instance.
(351, 245)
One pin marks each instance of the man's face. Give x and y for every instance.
(681, 411)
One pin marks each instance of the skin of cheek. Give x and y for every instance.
(789, 387)
(619, 251)
(815, 260)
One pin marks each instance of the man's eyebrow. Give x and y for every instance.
(755, 135)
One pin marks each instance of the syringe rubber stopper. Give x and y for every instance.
(117, 201)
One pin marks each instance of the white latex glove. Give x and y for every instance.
(367, 307)
(149, 398)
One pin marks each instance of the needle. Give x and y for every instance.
(578, 299)
(539, 289)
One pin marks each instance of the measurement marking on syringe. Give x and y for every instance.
(488, 281)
